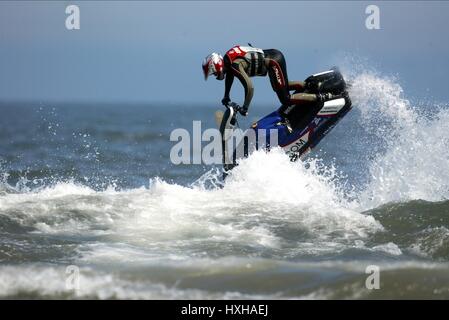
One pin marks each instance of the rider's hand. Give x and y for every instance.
(243, 111)
(225, 101)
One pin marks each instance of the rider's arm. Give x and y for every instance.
(238, 69)
(228, 83)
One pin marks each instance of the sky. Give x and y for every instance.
(150, 51)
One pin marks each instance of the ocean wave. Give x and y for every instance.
(421, 227)
(226, 279)
(236, 218)
(268, 209)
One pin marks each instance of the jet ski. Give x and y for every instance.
(297, 135)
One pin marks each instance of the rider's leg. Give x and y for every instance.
(301, 98)
(296, 86)
(277, 72)
(298, 99)
(278, 82)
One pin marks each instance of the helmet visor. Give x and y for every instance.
(208, 69)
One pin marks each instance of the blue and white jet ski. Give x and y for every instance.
(297, 135)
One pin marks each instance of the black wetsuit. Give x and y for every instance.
(276, 68)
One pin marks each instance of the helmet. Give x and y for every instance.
(213, 64)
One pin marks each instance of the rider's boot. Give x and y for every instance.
(284, 112)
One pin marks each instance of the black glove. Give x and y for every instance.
(225, 101)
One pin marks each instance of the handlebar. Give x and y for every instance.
(233, 105)
(237, 108)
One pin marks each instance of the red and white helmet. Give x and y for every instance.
(213, 64)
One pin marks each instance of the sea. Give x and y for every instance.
(93, 207)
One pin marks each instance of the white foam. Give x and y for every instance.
(389, 248)
(264, 191)
(415, 164)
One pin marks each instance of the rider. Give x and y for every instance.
(245, 62)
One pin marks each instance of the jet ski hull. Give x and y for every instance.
(305, 128)
(304, 137)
